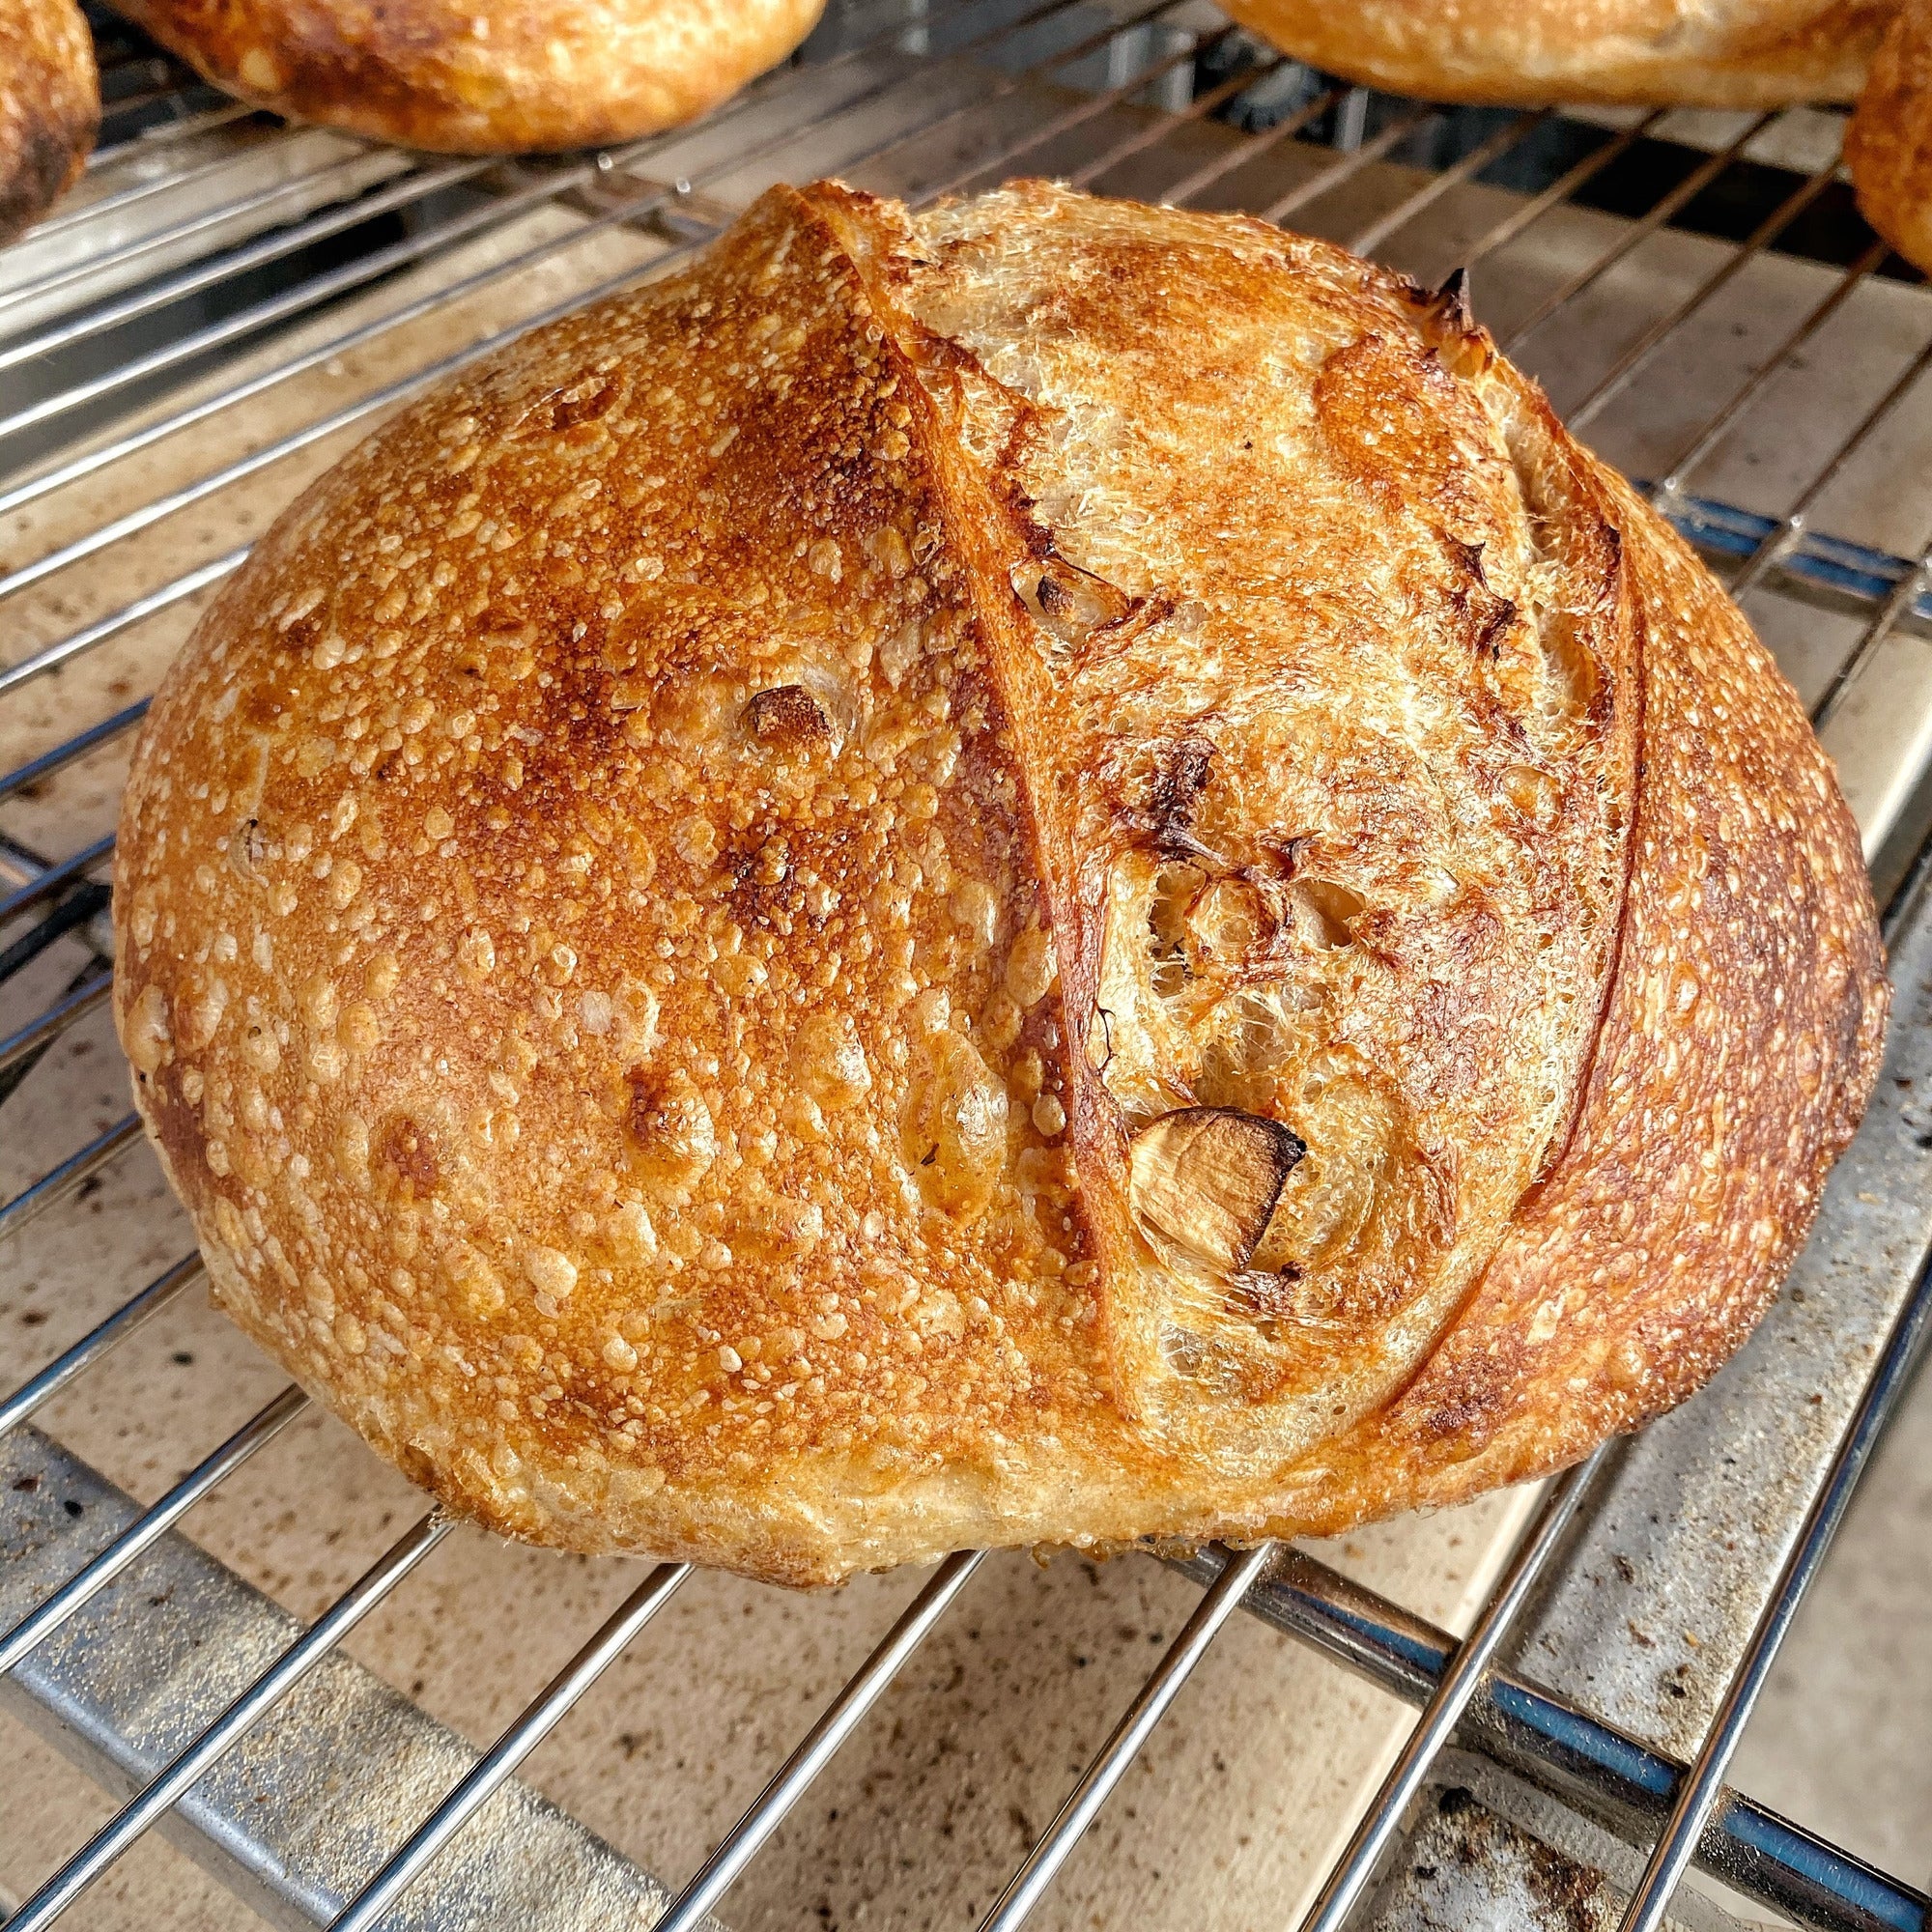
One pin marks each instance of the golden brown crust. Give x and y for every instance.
(49, 105)
(482, 76)
(652, 912)
(1889, 143)
(1394, 947)
(1740, 1041)
(1734, 53)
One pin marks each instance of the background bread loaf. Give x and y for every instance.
(1735, 53)
(1700, 54)
(1889, 143)
(482, 76)
(49, 105)
(1053, 874)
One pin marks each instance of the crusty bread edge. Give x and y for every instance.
(49, 124)
(1889, 141)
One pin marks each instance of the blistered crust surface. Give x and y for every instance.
(590, 966)
(653, 910)
(1710, 53)
(482, 76)
(49, 105)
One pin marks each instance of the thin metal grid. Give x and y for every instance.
(148, 1805)
(257, 1433)
(817, 1749)
(1459, 1684)
(1457, 1677)
(1150, 1704)
(1700, 1790)
(259, 201)
(151, 140)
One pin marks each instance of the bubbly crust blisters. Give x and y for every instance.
(660, 912)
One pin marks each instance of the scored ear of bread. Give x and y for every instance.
(1330, 814)
(1050, 873)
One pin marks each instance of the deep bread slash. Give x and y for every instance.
(1053, 874)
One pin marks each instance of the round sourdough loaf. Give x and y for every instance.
(49, 105)
(1050, 873)
(482, 76)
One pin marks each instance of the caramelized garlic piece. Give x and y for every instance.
(1208, 1177)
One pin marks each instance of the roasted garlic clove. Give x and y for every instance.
(1209, 1178)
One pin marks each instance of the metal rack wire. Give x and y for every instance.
(110, 325)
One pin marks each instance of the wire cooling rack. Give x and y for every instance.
(225, 304)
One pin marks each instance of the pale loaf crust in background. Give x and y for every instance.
(499, 76)
(650, 910)
(482, 76)
(1694, 53)
(1888, 144)
(49, 105)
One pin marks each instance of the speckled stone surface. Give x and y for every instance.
(1842, 1737)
